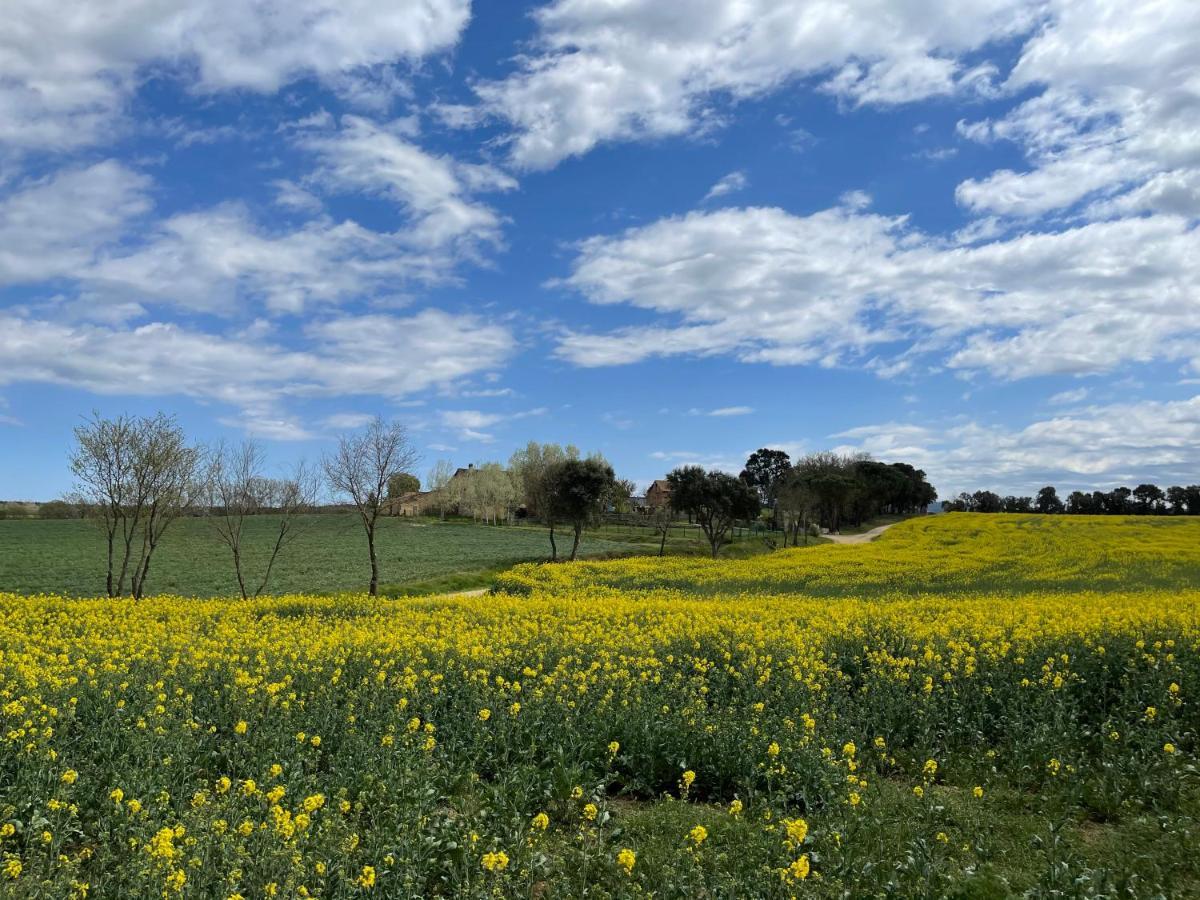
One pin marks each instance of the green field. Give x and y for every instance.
(416, 556)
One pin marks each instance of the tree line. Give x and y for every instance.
(136, 475)
(1143, 500)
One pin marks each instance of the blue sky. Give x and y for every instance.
(962, 237)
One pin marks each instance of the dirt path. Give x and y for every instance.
(477, 592)
(863, 538)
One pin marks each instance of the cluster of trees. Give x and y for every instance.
(1143, 500)
(557, 487)
(830, 489)
(819, 489)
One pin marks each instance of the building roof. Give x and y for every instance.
(660, 484)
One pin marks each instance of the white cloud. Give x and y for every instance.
(1117, 119)
(723, 411)
(219, 258)
(1068, 398)
(68, 67)
(54, 227)
(363, 156)
(1093, 447)
(768, 286)
(729, 184)
(603, 71)
(372, 355)
(470, 423)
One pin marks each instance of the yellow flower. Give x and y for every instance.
(223, 785)
(854, 798)
(688, 777)
(698, 835)
(590, 811)
(880, 744)
(1168, 748)
(848, 748)
(12, 867)
(313, 802)
(240, 727)
(1151, 712)
(7, 830)
(918, 792)
(626, 859)
(929, 770)
(977, 791)
(797, 830)
(116, 795)
(495, 862)
(70, 776)
(773, 750)
(249, 787)
(800, 868)
(540, 822)
(942, 838)
(735, 808)
(315, 740)
(366, 880)
(485, 714)
(613, 747)
(576, 792)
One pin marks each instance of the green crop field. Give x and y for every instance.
(67, 556)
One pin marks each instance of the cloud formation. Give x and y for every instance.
(845, 284)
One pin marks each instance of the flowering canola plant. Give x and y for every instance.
(483, 746)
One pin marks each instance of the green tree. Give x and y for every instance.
(765, 471)
(581, 489)
(1047, 501)
(402, 483)
(714, 499)
(532, 468)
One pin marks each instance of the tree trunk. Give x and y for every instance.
(553, 546)
(662, 547)
(237, 568)
(575, 545)
(373, 590)
(110, 563)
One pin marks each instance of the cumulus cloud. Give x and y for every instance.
(1116, 120)
(601, 71)
(365, 157)
(369, 355)
(55, 226)
(68, 67)
(846, 284)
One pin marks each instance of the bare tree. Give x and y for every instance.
(238, 489)
(135, 475)
(438, 479)
(360, 469)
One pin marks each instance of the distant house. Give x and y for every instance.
(410, 503)
(658, 494)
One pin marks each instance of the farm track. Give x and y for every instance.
(864, 538)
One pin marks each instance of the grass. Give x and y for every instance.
(417, 556)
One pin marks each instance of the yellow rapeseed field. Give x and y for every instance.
(667, 728)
